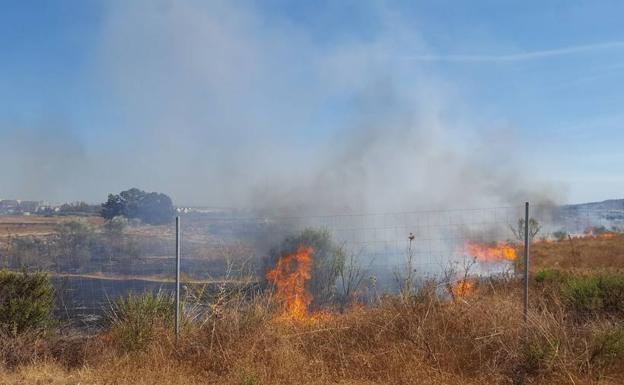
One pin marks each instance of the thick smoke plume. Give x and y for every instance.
(223, 105)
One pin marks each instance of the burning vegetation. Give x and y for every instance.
(490, 252)
(482, 253)
(289, 276)
(463, 288)
(574, 333)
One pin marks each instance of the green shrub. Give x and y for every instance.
(603, 292)
(611, 287)
(135, 318)
(539, 355)
(550, 276)
(25, 302)
(608, 345)
(585, 294)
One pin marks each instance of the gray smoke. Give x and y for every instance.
(219, 104)
(41, 161)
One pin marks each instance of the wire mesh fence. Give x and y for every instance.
(91, 266)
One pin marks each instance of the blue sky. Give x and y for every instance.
(119, 86)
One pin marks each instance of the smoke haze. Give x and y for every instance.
(222, 105)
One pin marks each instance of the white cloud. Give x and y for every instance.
(520, 56)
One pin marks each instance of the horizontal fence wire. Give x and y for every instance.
(106, 266)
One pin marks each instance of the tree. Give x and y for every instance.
(132, 202)
(152, 208)
(155, 209)
(534, 229)
(114, 207)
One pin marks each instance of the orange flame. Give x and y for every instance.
(290, 275)
(591, 235)
(490, 252)
(463, 288)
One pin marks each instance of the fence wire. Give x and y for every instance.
(102, 265)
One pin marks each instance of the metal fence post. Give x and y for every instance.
(177, 281)
(526, 261)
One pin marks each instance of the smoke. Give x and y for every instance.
(40, 161)
(224, 104)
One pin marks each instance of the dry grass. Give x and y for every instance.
(579, 254)
(427, 339)
(478, 340)
(37, 226)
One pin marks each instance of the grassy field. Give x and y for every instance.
(20, 226)
(580, 254)
(574, 335)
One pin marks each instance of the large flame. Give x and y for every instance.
(490, 252)
(289, 276)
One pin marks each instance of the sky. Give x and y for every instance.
(234, 103)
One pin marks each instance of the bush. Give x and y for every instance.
(550, 276)
(608, 344)
(586, 294)
(75, 244)
(328, 261)
(583, 294)
(604, 292)
(25, 302)
(538, 355)
(26, 252)
(560, 235)
(611, 290)
(135, 319)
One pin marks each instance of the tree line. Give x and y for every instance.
(152, 208)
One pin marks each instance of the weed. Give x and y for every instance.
(135, 318)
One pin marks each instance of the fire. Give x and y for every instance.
(463, 288)
(591, 234)
(290, 275)
(490, 252)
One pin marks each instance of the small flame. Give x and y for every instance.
(490, 252)
(463, 288)
(592, 234)
(290, 275)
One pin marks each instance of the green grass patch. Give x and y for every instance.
(135, 319)
(586, 294)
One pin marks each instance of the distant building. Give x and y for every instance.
(29, 207)
(14, 207)
(9, 206)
